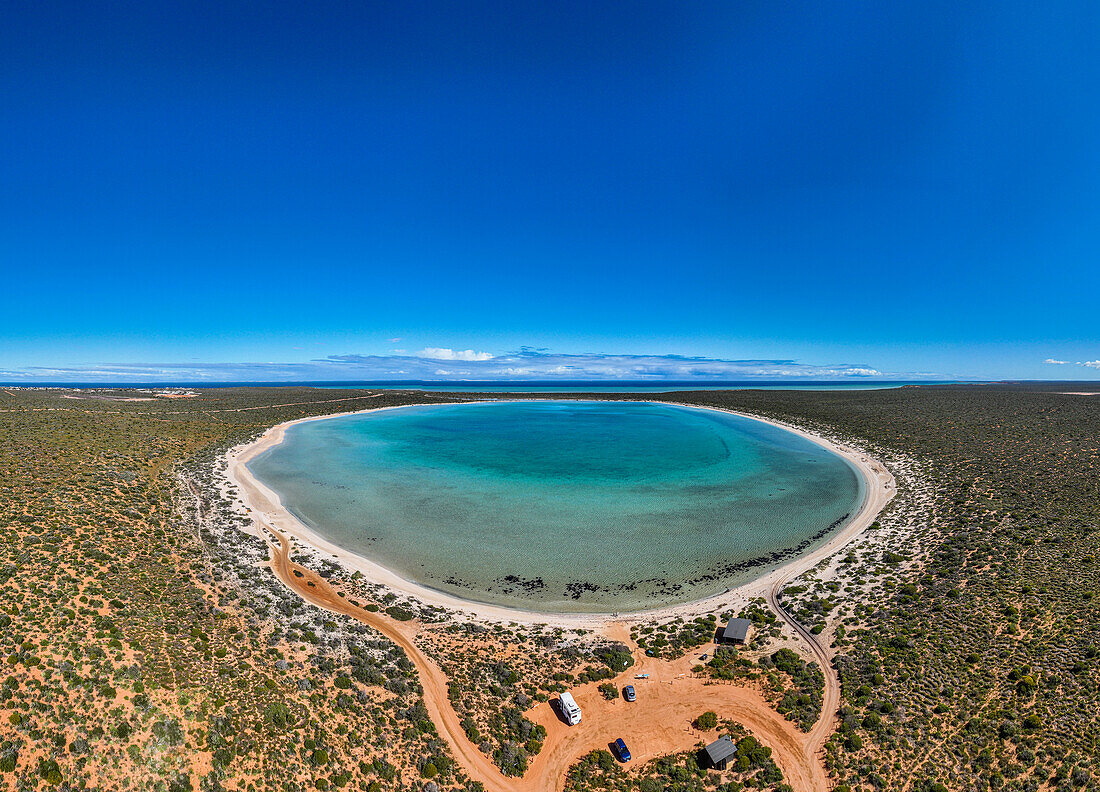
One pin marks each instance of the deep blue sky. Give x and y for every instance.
(908, 187)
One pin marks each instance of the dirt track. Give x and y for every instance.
(658, 723)
(881, 491)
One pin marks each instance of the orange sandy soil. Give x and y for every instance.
(657, 724)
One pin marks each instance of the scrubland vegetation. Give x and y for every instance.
(750, 768)
(795, 686)
(498, 672)
(970, 658)
(676, 637)
(143, 647)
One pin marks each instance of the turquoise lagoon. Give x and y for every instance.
(565, 506)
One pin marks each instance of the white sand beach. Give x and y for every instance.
(266, 506)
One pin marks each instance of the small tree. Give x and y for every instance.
(8, 760)
(707, 721)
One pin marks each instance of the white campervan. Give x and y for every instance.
(569, 709)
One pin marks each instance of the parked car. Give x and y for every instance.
(628, 693)
(621, 750)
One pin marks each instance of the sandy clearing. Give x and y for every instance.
(659, 722)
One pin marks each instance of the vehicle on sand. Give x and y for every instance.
(621, 750)
(569, 709)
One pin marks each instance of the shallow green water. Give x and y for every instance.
(565, 506)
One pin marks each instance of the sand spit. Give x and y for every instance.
(266, 506)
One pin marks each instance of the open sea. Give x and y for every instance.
(627, 386)
(513, 386)
(563, 506)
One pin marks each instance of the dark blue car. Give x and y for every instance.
(621, 750)
(628, 693)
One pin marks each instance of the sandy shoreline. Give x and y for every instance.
(266, 506)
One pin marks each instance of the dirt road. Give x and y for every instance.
(881, 489)
(658, 723)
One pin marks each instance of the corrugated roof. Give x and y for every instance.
(737, 629)
(722, 748)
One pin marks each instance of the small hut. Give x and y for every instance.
(737, 631)
(720, 752)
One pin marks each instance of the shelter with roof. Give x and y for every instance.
(720, 752)
(736, 632)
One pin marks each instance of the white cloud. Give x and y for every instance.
(440, 353)
(1086, 363)
(428, 364)
(530, 363)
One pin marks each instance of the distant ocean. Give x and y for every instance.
(516, 386)
(588, 386)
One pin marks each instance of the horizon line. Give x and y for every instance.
(412, 383)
